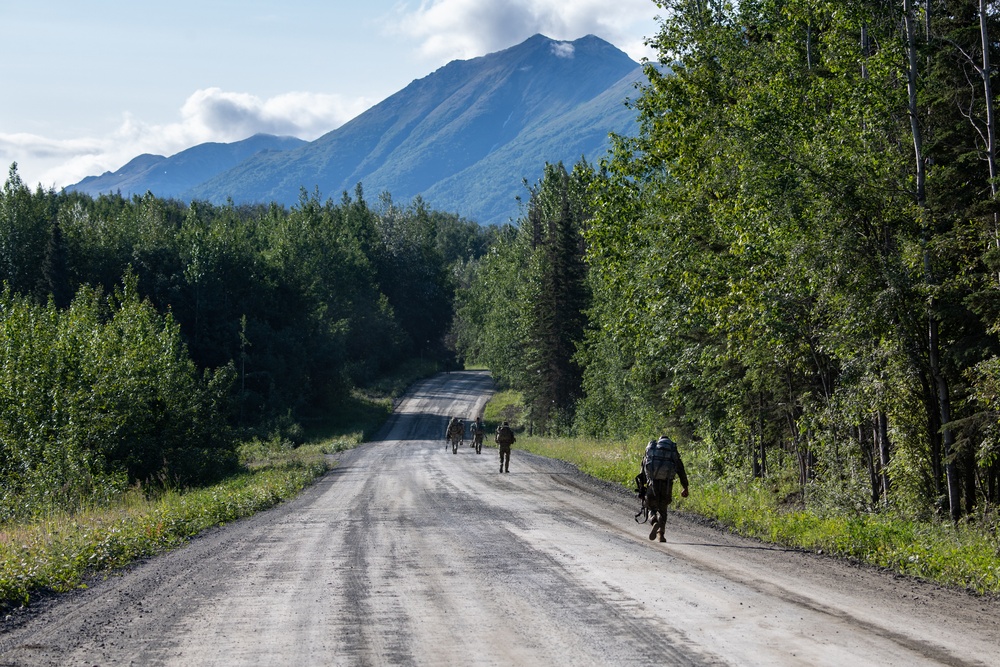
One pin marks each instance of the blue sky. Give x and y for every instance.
(87, 86)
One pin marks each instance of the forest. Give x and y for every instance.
(793, 267)
(142, 339)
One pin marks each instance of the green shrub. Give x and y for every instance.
(98, 397)
(58, 552)
(966, 555)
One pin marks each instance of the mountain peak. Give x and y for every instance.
(463, 137)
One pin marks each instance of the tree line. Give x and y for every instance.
(794, 265)
(141, 338)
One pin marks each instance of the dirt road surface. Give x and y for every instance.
(407, 554)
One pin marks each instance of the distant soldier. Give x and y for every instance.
(478, 431)
(505, 438)
(660, 465)
(454, 434)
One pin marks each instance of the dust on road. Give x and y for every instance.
(407, 554)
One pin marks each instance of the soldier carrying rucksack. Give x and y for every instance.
(454, 434)
(660, 465)
(478, 432)
(505, 438)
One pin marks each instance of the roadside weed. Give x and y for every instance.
(966, 555)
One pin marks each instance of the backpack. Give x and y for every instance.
(505, 436)
(660, 462)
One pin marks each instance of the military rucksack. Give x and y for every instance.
(505, 436)
(660, 463)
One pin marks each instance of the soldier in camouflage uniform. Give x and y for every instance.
(478, 433)
(505, 438)
(454, 434)
(658, 494)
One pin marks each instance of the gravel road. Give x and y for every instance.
(407, 554)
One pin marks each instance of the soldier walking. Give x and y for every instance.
(660, 465)
(505, 438)
(454, 434)
(478, 432)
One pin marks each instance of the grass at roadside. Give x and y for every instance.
(59, 552)
(965, 556)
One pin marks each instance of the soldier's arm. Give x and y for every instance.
(682, 474)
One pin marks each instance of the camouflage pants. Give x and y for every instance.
(659, 494)
(504, 457)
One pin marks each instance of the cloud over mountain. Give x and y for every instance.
(464, 138)
(210, 114)
(461, 29)
(228, 116)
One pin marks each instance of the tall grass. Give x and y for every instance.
(55, 554)
(60, 551)
(966, 555)
(611, 461)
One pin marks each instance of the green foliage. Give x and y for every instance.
(58, 553)
(221, 321)
(522, 310)
(98, 396)
(492, 309)
(616, 462)
(24, 232)
(395, 383)
(505, 406)
(764, 281)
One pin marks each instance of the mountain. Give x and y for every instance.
(175, 176)
(463, 138)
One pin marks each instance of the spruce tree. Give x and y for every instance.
(55, 269)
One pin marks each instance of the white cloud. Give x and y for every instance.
(462, 29)
(207, 115)
(443, 29)
(563, 49)
(216, 113)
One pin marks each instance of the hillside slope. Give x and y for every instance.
(464, 137)
(174, 176)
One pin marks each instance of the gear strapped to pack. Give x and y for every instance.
(640, 492)
(660, 462)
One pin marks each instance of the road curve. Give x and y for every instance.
(407, 554)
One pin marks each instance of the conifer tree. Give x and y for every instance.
(55, 269)
(557, 211)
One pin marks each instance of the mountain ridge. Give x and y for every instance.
(463, 138)
(173, 176)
